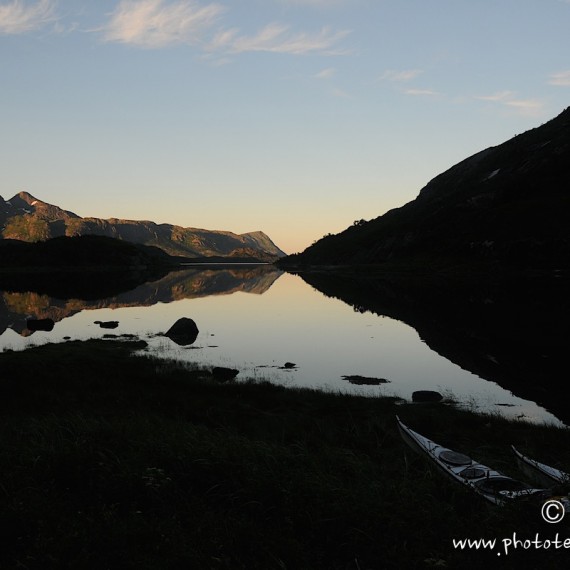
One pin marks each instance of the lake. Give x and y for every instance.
(257, 318)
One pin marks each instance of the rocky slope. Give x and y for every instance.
(26, 218)
(508, 205)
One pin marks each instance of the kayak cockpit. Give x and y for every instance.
(473, 473)
(502, 486)
(454, 458)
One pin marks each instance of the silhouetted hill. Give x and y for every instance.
(508, 205)
(88, 266)
(27, 218)
(79, 252)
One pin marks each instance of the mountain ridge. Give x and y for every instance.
(27, 218)
(505, 205)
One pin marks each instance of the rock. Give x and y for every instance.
(222, 374)
(183, 332)
(107, 324)
(40, 324)
(289, 365)
(365, 381)
(426, 396)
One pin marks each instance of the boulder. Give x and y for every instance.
(426, 396)
(222, 374)
(183, 332)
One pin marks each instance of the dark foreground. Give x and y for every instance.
(114, 461)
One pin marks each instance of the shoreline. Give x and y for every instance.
(155, 465)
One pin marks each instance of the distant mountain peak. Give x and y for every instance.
(27, 218)
(26, 197)
(29, 204)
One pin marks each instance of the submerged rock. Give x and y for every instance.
(365, 381)
(107, 324)
(222, 374)
(426, 396)
(40, 324)
(183, 332)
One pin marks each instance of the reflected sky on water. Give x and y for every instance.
(275, 318)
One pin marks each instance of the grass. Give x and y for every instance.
(108, 460)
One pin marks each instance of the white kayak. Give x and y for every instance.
(490, 484)
(540, 471)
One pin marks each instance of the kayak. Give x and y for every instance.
(540, 472)
(492, 485)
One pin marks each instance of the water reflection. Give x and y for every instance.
(511, 330)
(388, 336)
(20, 308)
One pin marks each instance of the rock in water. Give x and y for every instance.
(222, 374)
(426, 396)
(183, 332)
(107, 324)
(365, 381)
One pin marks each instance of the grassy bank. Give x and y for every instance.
(114, 461)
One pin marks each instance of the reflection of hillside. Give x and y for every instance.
(197, 282)
(175, 286)
(510, 331)
(15, 308)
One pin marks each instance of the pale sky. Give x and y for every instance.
(294, 117)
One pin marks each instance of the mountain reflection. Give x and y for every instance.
(18, 305)
(513, 331)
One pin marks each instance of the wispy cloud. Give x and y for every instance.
(326, 73)
(156, 23)
(341, 93)
(159, 23)
(421, 92)
(400, 76)
(278, 38)
(316, 3)
(17, 17)
(499, 96)
(530, 107)
(562, 78)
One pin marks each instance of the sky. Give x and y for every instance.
(294, 117)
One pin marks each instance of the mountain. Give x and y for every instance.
(508, 205)
(27, 218)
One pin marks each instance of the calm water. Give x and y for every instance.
(257, 319)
